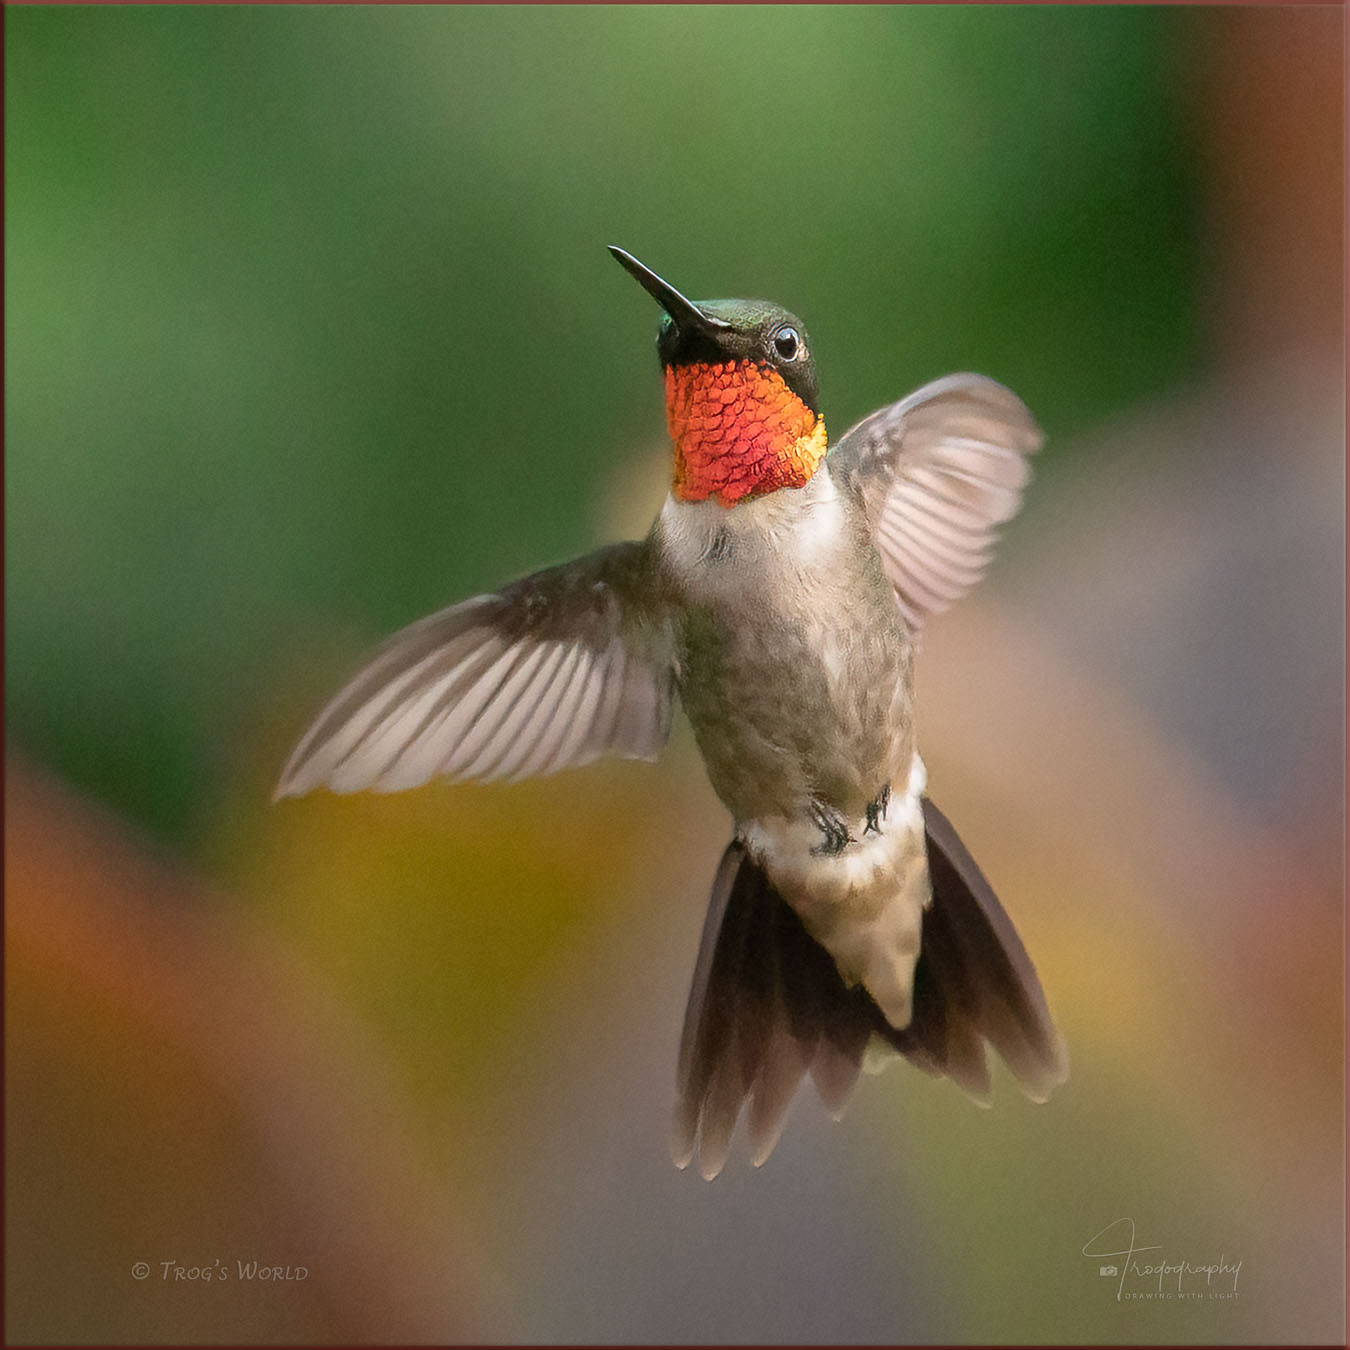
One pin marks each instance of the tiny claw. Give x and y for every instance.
(833, 826)
(876, 810)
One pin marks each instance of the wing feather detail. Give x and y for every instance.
(553, 671)
(938, 473)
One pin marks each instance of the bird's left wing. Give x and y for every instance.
(553, 671)
(938, 472)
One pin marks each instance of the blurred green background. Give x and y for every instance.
(310, 331)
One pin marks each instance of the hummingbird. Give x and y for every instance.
(782, 593)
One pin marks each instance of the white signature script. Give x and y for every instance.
(1119, 1239)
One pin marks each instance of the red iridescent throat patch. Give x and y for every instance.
(739, 431)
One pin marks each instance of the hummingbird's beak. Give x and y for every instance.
(685, 313)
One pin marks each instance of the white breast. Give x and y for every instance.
(783, 539)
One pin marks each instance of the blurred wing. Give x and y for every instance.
(554, 671)
(938, 472)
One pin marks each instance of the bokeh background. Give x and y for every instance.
(310, 330)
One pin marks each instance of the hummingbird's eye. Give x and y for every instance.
(787, 343)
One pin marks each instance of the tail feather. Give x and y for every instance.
(993, 990)
(710, 1021)
(768, 1005)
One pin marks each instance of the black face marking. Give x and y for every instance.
(746, 330)
(710, 332)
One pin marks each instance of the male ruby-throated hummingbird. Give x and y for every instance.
(782, 592)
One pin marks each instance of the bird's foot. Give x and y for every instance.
(876, 810)
(833, 826)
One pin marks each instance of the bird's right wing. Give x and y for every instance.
(553, 671)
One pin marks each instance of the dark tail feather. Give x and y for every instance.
(974, 982)
(768, 1005)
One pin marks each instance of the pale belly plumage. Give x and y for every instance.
(794, 667)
